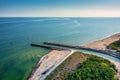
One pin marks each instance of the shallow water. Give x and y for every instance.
(17, 57)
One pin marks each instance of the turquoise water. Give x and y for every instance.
(17, 57)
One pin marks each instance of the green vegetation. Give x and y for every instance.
(94, 68)
(115, 45)
(81, 66)
(67, 67)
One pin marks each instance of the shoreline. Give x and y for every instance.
(48, 63)
(35, 75)
(103, 43)
(54, 58)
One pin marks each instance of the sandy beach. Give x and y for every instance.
(102, 44)
(48, 63)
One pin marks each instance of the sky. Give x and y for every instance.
(59, 8)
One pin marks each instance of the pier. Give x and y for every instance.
(108, 52)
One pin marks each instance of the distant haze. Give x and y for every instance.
(59, 8)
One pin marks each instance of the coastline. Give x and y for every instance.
(103, 43)
(48, 63)
(53, 59)
(36, 73)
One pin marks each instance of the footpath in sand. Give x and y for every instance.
(48, 63)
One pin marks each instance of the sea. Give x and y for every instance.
(18, 57)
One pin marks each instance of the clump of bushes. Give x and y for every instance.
(94, 68)
(115, 45)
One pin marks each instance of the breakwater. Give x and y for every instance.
(47, 47)
(108, 52)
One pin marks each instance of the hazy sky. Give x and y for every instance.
(60, 8)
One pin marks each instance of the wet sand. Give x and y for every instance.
(48, 63)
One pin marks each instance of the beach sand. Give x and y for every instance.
(102, 44)
(48, 63)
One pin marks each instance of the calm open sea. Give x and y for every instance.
(17, 57)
